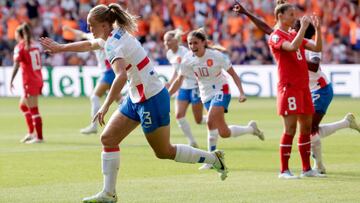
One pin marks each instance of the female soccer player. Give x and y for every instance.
(294, 98)
(148, 102)
(321, 91)
(189, 91)
(104, 83)
(207, 64)
(27, 57)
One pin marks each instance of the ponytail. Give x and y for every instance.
(115, 14)
(27, 34)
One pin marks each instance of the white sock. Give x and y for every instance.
(110, 168)
(329, 128)
(316, 150)
(185, 127)
(212, 139)
(237, 130)
(204, 119)
(188, 154)
(95, 106)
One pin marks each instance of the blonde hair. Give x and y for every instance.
(114, 14)
(281, 9)
(176, 34)
(278, 2)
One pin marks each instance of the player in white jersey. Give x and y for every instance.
(189, 91)
(208, 64)
(320, 87)
(148, 102)
(103, 84)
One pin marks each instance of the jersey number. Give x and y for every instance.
(203, 72)
(292, 103)
(147, 118)
(35, 59)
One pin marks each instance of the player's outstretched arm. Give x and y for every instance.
(78, 33)
(53, 47)
(238, 8)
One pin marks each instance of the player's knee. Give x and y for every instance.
(198, 120)
(179, 115)
(167, 153)
(106, 141)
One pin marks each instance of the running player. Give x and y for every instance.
(207, 64)
(189, 91)
(27, 57)
(148, 102)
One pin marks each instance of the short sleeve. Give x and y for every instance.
(184, 68)
(98, 41)
(225, 61)
(114, 53)
(275, 41)
(17, 56)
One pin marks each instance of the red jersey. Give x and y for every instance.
(292, 66)
(30, 62)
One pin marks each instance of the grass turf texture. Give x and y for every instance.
(67, 167)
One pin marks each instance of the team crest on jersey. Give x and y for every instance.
(275, 38)
(210, 62)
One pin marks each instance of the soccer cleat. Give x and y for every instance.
(257, 132)
(219, 164)
(206, 167)
(34, 141)
(287, 175)
(320, 169)
(101, 197)
(352, 122)
(312, 173)
(28, 137)
(91, 129)
(194, 144)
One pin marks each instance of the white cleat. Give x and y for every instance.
(28, 137)
(257, 132)
(312, 174)
(219, 164)
(320, 169)
(206, 167)
(101, 197)
(35, 141)
(352, 122)
(91, 129)
(287, 175)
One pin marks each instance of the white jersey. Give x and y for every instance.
(142, 78)
(316, 80)
(175, 60)
(208, 72)
(103, 63)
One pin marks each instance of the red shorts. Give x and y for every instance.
(294, 101)
(32, 91)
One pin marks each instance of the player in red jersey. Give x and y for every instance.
(27, 56)
(294, 97)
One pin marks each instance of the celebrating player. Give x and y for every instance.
(148, 102)
(321, 91)
(27, 57)
(189, 91)
(207, 65)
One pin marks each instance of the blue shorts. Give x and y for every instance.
(152, 113)
(322, 98)
(189, 95)
(219, 100)
(108, 77)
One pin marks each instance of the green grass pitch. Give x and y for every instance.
(67, 167)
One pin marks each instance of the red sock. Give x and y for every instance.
(37, 121)
(285, 151)
(28, 118)
(304, 145)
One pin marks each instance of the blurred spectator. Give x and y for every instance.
(246, 44)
